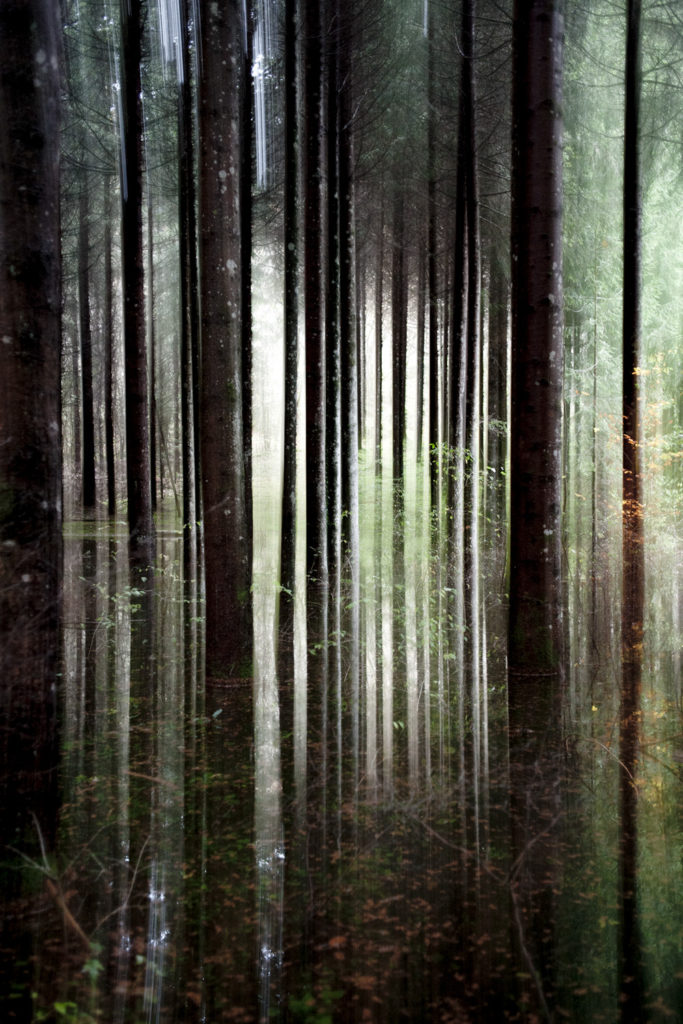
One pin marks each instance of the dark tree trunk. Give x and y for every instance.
(291, 307)
(379, 313)
(361, 337)
(246, 213)
(347, 281)
(189, 307)
(138, 461)
(226, 527)
(189, 290)
(432, 276)
(334, 296)
(457, 366)
(108, 322)
(473, 345)
(497, 384)
(316, 505)
(154, 426)
(85, 325)
(535, 622)
(421, 311)
(633, 587)
(30, 413)
(399, 311)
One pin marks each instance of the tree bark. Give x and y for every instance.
(633, 585)
(291, 325)
(535, 619)
(85, 327)
(189, 307)
(314, 298)
(348, 292)
(399, 312)
(138, 462)
(432, 282)
(30, 412)
(155, 427)
(108, 322)
(226, 528)
(246, 216)
(334, 295)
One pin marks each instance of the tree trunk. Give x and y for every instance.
(108, 321)
(348, 306)
(85, 325)
(535, 621)
(291, 310)
(432, 282)
(457, 371)
(155, 428)
(473, 345)
(30, 413)
(189, 311)
(246, 213)
(633, 587)
(314, 299)
(334, 296)
(226, 527)
(379, 314)
(420, 340)
(399, 313)
(138, 463)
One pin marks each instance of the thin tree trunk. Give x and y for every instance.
(399, 309)
(314, 299)
(457, 375)
(633, 587)
(334, 298)
(246, 214)
(188, 291)
(154, 427)
(348, 308)
(138, 462)
(379, 314)
(432, 277)
(85, 325)
(473, 343)
(108, 319)
(291, 306)
(421, 309)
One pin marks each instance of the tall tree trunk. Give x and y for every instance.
(498, 345)
(347, 281)
(399, 313)
(85, 325)
(473, 343)
(291, 307)
(457, 369)
(432, 279)
(314, 299)
(420, 343)
(535, 620)
(246, 215)
(108, 322)
(379, 314)
(30, 413)
(226, 529)
(334, 295)
(138, 463)
(633, 587)
(155, 428)
(189, 308)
